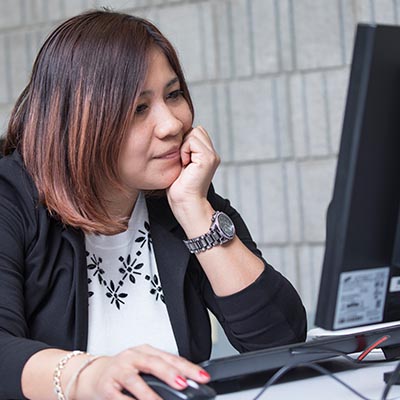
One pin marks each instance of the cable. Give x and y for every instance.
(322, 349)
(359, 360)
(372, 347)
(346, 356)
(316, 367)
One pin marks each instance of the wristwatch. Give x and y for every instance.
(222, 230)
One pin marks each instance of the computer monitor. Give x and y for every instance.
(360, 282)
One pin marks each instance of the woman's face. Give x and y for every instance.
(150, 157)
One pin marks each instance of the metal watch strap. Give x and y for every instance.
(210, 239)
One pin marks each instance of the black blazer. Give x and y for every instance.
(44, 290)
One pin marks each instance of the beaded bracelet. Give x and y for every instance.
(75, 377)
(57, 373)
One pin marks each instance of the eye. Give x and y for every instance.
(141, 108)
(175, 94)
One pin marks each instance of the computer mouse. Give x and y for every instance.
(194, 391)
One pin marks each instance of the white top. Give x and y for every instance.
(126, 300)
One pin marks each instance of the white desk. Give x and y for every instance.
(368, 380)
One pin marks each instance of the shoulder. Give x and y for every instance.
(15, 182)
(19, 206)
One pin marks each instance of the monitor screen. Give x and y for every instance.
(360, 282)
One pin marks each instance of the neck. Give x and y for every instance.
(121, 205)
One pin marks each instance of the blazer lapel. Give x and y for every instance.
(172, 260)
(77, 242)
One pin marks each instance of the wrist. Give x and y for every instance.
(67, 360)
(195, 217)
(85, 386)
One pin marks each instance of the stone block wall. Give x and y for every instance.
(269, 81)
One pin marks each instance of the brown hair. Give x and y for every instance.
(70, 121)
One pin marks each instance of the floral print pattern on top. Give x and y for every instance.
(130, 268)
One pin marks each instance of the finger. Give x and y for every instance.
(204, 132)
(202, 135)
(185, 153)
(179, 365)
(187, 368)
(194, 149)
(155, 365)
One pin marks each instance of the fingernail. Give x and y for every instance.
(204, 374)
(181, 381)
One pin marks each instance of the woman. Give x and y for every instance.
(105, 193)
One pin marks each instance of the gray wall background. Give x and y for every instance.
(269, 81)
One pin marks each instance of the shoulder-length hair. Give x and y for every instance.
(70, 121)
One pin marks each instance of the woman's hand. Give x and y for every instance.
(199, 163)
(108, 376)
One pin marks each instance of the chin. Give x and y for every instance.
(164, 182)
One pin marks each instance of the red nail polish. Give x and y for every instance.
(181, 381)
(204, 374)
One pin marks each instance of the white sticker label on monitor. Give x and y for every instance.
(361, 297)
(394, 284)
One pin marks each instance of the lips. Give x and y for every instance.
(169, 154)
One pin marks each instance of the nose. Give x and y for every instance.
(166, 122)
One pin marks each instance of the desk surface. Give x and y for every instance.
(368, 380)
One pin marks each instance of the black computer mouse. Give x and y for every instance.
(194, 391)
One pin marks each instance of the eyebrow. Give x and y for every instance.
(168, 85)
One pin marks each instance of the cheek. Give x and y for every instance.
(132, 156)
(186, 117)
(137, 143)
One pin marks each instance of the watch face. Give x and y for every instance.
(226, 225)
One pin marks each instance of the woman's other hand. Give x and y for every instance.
(108, 376)
(199, 162)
